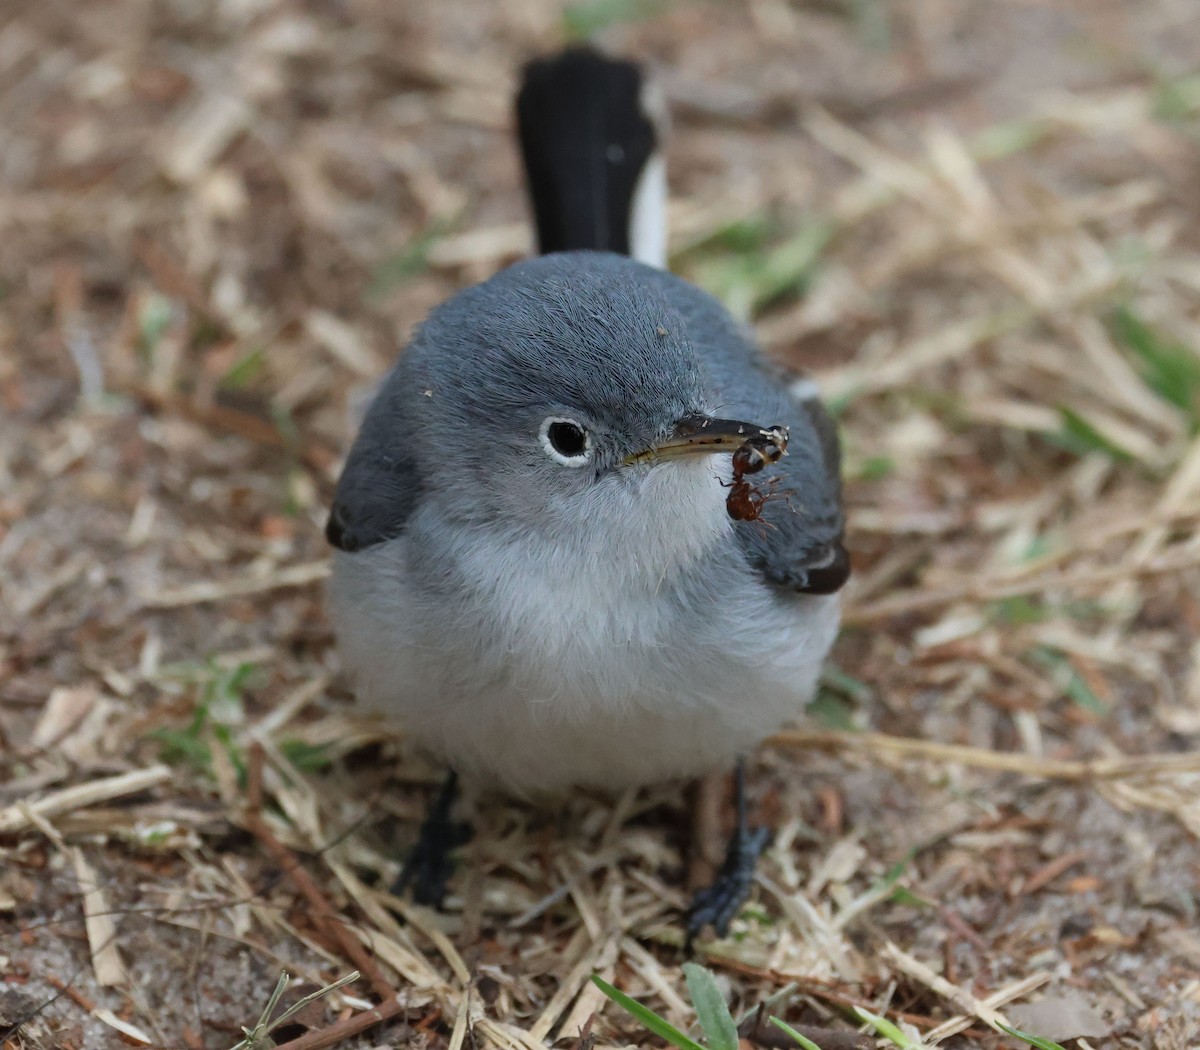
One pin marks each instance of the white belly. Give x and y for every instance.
(537, 681)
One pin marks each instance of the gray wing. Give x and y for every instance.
(379, 485)
(797, 542)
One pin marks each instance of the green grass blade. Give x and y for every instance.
(1081, 436)
(832, 711)
(1169, 367)
(803, 1040)
(307, 758)
(583, 20)
(411, 261)
(885, 1028)
(648, 1017)
(1032, 1040)
(711, 1010)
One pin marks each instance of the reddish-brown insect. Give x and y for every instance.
(745, 502)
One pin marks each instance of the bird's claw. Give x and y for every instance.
(716, 905)
(430, 864)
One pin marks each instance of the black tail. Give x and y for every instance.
(589, 146)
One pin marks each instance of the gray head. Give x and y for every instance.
(541, 399)
(567, 363)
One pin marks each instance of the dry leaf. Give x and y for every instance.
(1065, 1016)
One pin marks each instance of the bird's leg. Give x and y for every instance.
(429, 865)
(716, 905)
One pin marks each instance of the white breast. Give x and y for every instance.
(639, 649)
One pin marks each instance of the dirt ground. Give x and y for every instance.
(978, 223)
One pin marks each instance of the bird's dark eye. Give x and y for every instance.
(567, 439)
(566, 442)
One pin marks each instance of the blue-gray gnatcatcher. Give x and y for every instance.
(537, 571)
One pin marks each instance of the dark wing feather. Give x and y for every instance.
(797, 542)
(379, 485)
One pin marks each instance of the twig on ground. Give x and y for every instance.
(322, 911)
(69, 989)
(17, 816)
(1016, 990)
(343, 1030)
(757, 1029)
(961, 998)
(240, 587)
(981, 758)
(107, 964)
(1046, 874)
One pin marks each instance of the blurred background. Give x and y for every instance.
(977, 224)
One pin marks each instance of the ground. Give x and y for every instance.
(976, 223)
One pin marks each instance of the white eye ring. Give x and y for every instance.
(566, 441)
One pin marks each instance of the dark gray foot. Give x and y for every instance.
(716, 905)
(431, 862)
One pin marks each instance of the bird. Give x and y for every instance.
(537, 569)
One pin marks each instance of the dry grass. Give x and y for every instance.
(976, 222)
